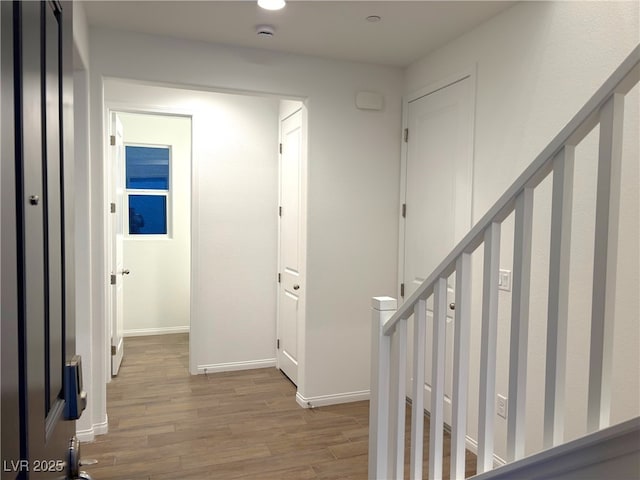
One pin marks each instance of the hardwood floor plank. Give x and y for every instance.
(350, 449)
(299, 473)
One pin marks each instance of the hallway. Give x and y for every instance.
(165, 424)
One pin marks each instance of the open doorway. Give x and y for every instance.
(150, 234)
(234, 222)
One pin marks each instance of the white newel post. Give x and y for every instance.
(382, 310)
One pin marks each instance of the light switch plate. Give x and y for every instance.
(504, 280)
(501, 406)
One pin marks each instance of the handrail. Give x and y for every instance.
(621, 81)
(619, 441)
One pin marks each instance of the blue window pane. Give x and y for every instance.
(147, 168)
(147, 214)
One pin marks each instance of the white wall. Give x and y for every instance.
(157, 291)
(234, 304)
(93, 377)
(353, 183)
(537, 64)
(80, 36)
(93, 419)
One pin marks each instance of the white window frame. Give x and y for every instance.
(160, 193)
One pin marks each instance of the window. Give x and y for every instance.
(147, 189)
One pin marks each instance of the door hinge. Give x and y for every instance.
(406, 135)
(402, 290)
(113, 350)
(278, 344)
(279, 278)
(112, 140)
(112, 279)
(279, 211)
(404, 210)
(280, 148)
(112, 207)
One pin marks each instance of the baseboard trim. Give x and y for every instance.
(142, 332)
(231, 366)
(335, 399)
(102, 428)
(472, 446)
(89, 434)
(86, 436)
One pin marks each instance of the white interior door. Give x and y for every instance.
(291, 269)
(116, 155)
(438, 197)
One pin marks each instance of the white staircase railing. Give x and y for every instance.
(388, 379)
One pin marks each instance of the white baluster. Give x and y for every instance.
(558, 308)
(519, 324)
(436, 417)
(399, 392)
(605, 263)
(460, 366)
(417, 389)
(488, 347)
(382, 310)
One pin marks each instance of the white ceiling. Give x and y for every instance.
(332, 29)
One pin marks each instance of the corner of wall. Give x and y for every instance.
(80, 37)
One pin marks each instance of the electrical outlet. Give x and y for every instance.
(501, 406)
(504, 280)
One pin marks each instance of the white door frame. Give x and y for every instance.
(141, 109)
(469, 73)
(131, 107)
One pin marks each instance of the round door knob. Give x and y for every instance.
(452, 306)
(296, 287)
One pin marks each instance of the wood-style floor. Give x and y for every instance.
(166, 424)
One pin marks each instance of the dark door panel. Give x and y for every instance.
(37, 260)
(54, 289)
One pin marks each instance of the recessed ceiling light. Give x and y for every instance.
(271, 4)
(374, 18)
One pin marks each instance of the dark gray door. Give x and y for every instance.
(38, 318)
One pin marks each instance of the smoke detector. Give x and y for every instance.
(265, 31)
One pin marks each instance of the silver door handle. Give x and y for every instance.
(296, 287)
